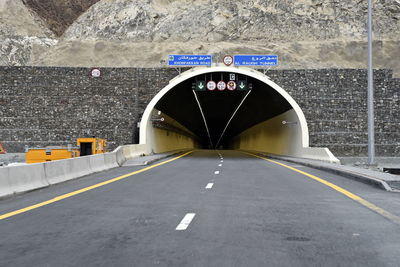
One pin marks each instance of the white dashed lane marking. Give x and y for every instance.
(209, 185)
(219, 165)
(216, 172)
(185, 222)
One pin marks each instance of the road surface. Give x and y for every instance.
(202, 209)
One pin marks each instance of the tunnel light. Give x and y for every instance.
(160, 119)
(289, 122)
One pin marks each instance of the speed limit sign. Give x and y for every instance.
(211, 85)
(228, 60)
(221, 85)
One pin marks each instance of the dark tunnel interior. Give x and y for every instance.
(261, 104)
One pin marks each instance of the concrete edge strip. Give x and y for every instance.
(391, 217)
(77, 192)
(366, 179)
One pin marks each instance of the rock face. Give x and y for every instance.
(226, 20)
(59, 15)
(141, 33)
(23, 36)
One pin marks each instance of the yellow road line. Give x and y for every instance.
(74, 193)
(365, 203)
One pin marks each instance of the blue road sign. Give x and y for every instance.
(189, 60)
(256, 60)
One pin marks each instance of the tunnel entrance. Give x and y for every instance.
(262, 103)
(261, 117)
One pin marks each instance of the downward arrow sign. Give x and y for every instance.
(242, 85)
(201, 86)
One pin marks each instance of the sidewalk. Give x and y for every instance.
(386, 181)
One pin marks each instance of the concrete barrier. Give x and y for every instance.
(17, 179)
(79, 166)
(110, 160)
(5, 188)
(58, 171)
(124, 153)
(97, 163)
(27, 177)
(119, 154)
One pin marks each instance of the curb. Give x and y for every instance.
(148, 162)
(366, 179)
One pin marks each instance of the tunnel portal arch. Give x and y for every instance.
(307, 152)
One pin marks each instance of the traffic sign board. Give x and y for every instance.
(211, 85)
(242, 85)
(200, 85)
(256, 60)
(228, 60)
(232, 76)
(189, 60)
(231, 85)
(221, 85)
(95, 72)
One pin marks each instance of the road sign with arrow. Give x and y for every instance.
(201, 86)
(242, 85)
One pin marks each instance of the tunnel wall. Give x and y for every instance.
(272, 136)
(168, 135)
(42, 106)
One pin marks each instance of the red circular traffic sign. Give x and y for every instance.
(211, 85)
(95, 72)
(228, 60)
(221, 85)
(231, 85)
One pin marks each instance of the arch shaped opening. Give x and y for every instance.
(265, 118)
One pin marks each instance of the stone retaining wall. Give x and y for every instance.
(42, 106)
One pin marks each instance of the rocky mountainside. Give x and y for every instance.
(59, 15)
(304, 33)
(227, 20)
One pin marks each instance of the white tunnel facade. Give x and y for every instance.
(286, 134)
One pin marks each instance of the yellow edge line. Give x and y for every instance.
(365, 203)
(74, 193)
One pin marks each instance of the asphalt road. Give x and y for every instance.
(193, 212)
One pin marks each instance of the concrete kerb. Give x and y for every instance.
(335, 169)
(167, 155)
(27, 177)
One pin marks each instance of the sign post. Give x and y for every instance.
(371, 130)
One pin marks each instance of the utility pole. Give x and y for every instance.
(371, 128)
